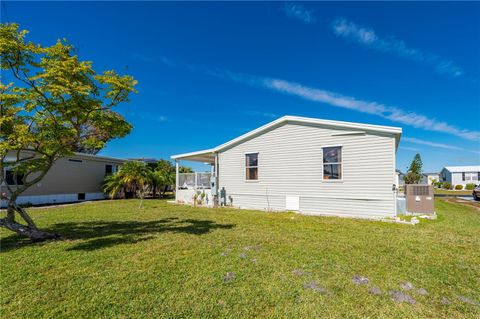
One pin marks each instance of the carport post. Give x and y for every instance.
(177, 178)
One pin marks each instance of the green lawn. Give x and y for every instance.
(177, 261)
(453, 192)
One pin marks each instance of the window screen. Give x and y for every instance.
(251, 166)
(332, 163)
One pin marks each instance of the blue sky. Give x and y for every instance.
(209, 72)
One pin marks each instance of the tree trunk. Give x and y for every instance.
(30, 230)
(154, 191)
(33, 234)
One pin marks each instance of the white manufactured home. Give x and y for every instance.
(460, 175)
(312, 166)
(70, 179)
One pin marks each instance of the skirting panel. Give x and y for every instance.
(54, 199)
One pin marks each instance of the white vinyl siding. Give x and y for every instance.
(292, 165)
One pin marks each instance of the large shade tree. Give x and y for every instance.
(51, 105)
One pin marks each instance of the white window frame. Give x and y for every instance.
(469, 177)
(340, 180)
(245, 167)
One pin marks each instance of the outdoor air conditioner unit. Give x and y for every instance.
(420, 199)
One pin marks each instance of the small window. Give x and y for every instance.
(81, 196)
(251, 165)
(332, 163)
(13, 178)
(108, 169)
(10, 177)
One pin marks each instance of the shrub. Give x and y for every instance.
(438, 184)
(470, 186)
(447, 185)
(458, 187)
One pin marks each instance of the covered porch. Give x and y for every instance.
(199, 188)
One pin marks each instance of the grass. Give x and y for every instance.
(178, 261)
(453, 192)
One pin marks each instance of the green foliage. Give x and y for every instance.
(55, 105)
(137, 176)
(163, 176)
(185, 169)
(459, 187)
(169, 261)
(438, 184)
(447, 185)
(132, 177)
(414, 172)
(470, 186)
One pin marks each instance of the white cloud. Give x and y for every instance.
(298, 11)
(413, 149)
(368, 38)
(392, 113)
(428, 143)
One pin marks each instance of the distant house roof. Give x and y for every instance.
(143, 159)
(459, 169)
(207, 155)
(98, 157)
(430, 174)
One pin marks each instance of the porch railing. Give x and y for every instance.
(194, 180)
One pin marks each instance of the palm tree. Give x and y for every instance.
(162, 175)
(132, 178)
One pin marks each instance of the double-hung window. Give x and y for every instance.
(332, 163)
(251, 166)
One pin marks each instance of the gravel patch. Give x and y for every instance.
(229, 277)
(445, 301)
(468, 300)
(375, 291)
(422, 292)
(315, 287)
(407, 286)
(400, 297)
(360, 280)
(299, 272)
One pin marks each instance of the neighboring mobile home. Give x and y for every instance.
(74, 178)
(400, 181)
(429, 178)
(307, 165)
(460, 175)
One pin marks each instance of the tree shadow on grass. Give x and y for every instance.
(102, 234)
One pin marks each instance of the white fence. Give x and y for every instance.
(194, 180)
